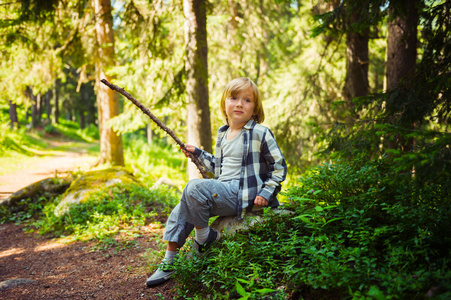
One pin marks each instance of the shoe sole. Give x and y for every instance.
(154, 282)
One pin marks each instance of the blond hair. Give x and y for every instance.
(240, 84)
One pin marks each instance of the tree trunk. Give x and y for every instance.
(86, 92)
(198, 109)
(401, 41)
(84, 107)
(34, 114)
(67, 109)
(48, 107)
(82, 120)
(13, 115)
(401, 54)
(149, 134)
(111, 150)
(39, 106)
(356, 82)
(34, 107)
(55, 95)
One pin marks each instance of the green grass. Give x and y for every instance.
(155, 161)
(21, 148)
(72, 131)
(18, 149)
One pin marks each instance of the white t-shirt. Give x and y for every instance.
(232, 155)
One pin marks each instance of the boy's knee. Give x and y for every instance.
(193, 186)
(195, 191)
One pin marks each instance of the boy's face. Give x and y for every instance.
(240, 107)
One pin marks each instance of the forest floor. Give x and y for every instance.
(39, 267)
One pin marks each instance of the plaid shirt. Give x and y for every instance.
(263, 166)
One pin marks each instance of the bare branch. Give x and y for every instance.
(145, 110)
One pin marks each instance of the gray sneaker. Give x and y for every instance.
(213, 236)
(158, 277)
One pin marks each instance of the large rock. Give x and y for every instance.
(89, 182)
(12, 283)
(49, 187)
(230, 225)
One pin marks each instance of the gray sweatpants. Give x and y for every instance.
(201, 199)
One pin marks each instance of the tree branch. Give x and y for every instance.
(145, 110)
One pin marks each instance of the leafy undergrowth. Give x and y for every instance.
(107, 212)
(156, 160)
(354, 233)
(357, 232)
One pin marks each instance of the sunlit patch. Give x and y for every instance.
(49, 246)
(13, 251)
(153, 226)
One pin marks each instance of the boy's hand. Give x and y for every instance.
(189, 148)
(260, 201)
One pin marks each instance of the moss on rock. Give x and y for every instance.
(93, 181)
(49, 188)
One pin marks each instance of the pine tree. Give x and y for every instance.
(196, 67)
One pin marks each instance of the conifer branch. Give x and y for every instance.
(145, 110)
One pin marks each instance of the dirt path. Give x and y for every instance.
(39, 168)
(51, 269)
(37, 267)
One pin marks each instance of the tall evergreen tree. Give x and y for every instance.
(357, 58)
(196, 67)
(55, 97)
(111, 149)
(13, 115)
(401, 41)
(402, 45)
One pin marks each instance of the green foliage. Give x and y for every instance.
(10, 140)
(373, 224)
(107, 212)
(248, 295)
(383, 234)
(73, 131)
(156, 160)
(30, 209)
(337, 21)
(402, 210)
(49, 129)
(408, 120)
(230, 271)
(354, 233)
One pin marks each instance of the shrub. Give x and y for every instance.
(50, 129)
(368, 231)
(108, 211)
(355, 233)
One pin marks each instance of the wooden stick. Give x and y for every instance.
(145, 110)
